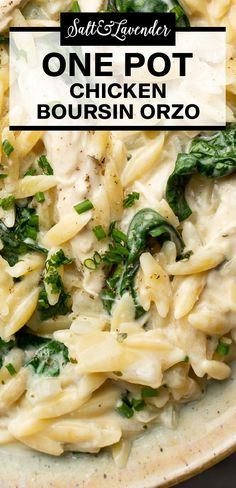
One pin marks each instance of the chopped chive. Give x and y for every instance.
(30, 172)
(123, 251)
(118, 235)
(130, 199)
(3, 175)
(45, 165)
(90, 264)
(222, 348)
(11, 369)
(115, 254)
(125, 410)
(93, 263)
(75, 7)
(99, 232)
(148, 392)
(7, 147)
(83, 206)
(97, 258)
(7, 203)
(40, 197)
(186, 359)
(138, 404)
(111, 227)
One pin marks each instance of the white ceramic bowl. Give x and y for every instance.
(205, 434)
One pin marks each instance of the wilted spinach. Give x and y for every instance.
(211, 156)
(5, 347)
(49, 359)
(15, 240)
(25, 340)
(150, 6)
(62, 307)
(147, 223)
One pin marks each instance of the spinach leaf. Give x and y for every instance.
(211, 156)
(121, 280)
(49, 359)
(123, 6)
(146, 223)
(62, 307)
(121, 277)
(58, 259)
(26, 341)
(14, 239)
(53, 276)
(5, 347)
(181, 18)
(150, 6)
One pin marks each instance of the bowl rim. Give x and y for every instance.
(200, 469)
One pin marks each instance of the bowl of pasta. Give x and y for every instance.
(117, 287)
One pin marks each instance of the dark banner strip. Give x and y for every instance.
(115, 29)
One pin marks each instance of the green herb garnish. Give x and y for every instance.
(148, 392)
(30, 172)
(94, 262)
(128, 405)
(7, 203)
(125, 408)
(53, 276)
(90, 264)
(83, 206)
(151, 6)
(7, 147)
(138, 404)
(40, 197)
(49, 359)
(123, 257)
(15, 243)
(58, 259)
(75, 7)
(45, 165)
(10, 368)
(54, 279)
(129, 201)
(99, 232)
(62, 307)
(118, 236)
(223, 348)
